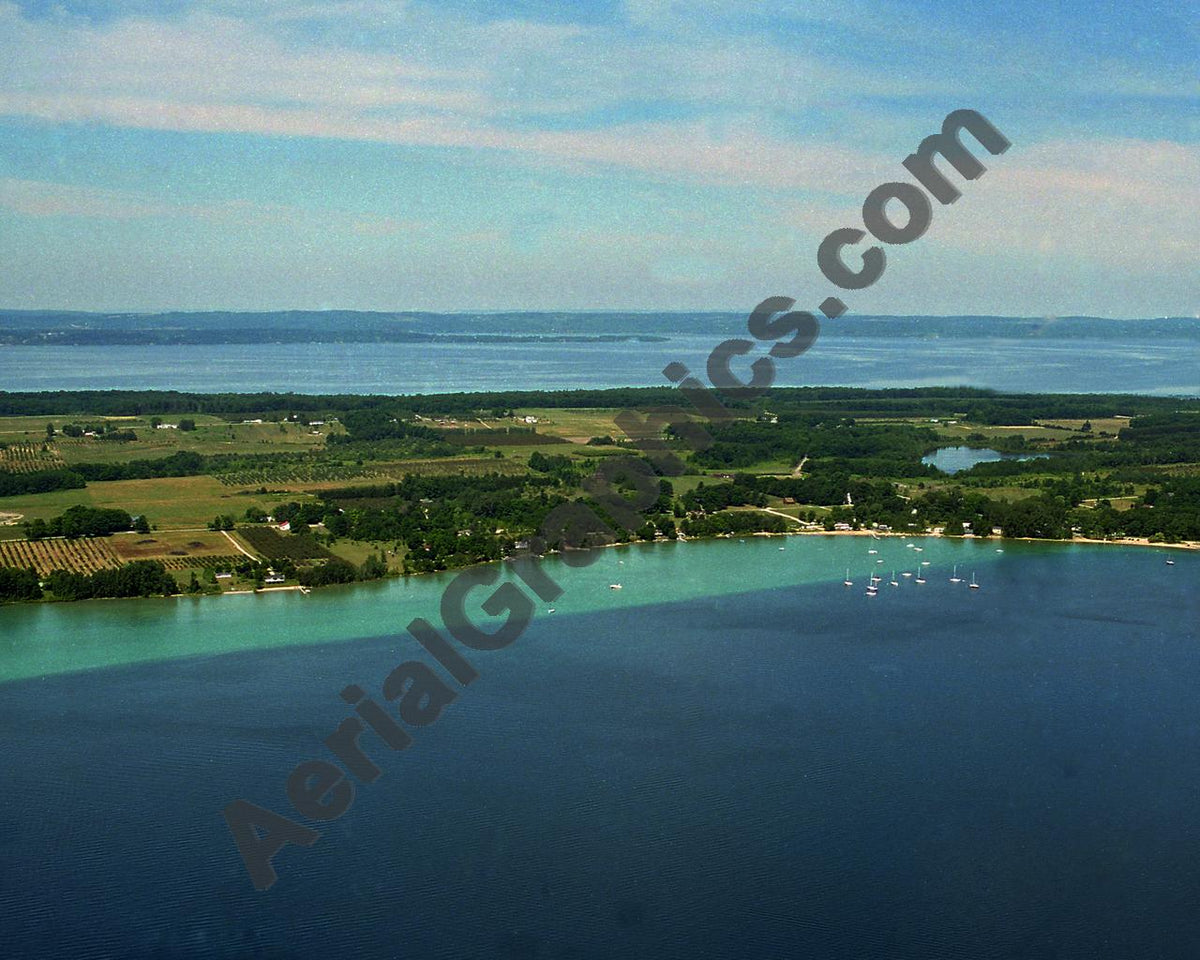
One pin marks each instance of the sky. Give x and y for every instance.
(600, 155)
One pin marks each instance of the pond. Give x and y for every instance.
(954, 459)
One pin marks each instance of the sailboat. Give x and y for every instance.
(973, 585)
(894, 581)
(848, 582)
(956, 578)
(920, 579)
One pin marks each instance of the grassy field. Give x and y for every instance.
(211, 436)
(170, 503)
(578, 426)
(356, 551)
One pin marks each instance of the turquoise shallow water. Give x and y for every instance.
(45, 639)
(733, 756)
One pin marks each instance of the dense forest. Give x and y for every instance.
(981, 406)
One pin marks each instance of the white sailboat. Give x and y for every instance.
(956, 578)
(894, 581)
(848, 582)
(973, 585)
(920, 579)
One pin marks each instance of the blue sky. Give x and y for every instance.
(625, 154)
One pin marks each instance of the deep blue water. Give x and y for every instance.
(1012, 772)
(1163, 366)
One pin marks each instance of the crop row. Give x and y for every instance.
(175, 564)
(272, 546)
(293, 473)
(29, 457)
(81, 556)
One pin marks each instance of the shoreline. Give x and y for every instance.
(1187, 545)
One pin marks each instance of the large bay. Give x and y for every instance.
(734, 755)
(1046, 364)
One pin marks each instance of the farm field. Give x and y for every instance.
(28, 457)
(82, 556)
(579, 425)
(169, 502)
(183, 550)
(273, 546)
(211, 436)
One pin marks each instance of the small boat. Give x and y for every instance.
(1170, 563)
(973, 585)
(872, 551)
(999, 549)
(894, 581)
(919, 549)
(906, 574)
(848, 582)
(926, 563)
(614, 586)
(550, 610)
(956, 578)
(872, 592)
